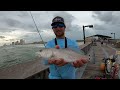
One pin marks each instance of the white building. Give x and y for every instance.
(22, 42)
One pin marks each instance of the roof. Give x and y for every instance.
(98, 35)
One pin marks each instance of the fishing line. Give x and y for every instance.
(37, 28)
(38, 32)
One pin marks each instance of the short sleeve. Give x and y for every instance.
(49, 44)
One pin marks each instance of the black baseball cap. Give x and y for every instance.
(57, 19)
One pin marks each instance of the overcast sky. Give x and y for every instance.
(16, 25)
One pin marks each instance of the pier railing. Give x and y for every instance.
(32, 69)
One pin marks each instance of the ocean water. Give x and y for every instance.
(11, 55)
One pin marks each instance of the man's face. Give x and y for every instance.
(59, 29)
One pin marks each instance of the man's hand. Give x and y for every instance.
(59, 62)
(80, 62)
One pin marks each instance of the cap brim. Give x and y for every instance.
(56, 22)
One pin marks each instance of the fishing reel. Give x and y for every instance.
(111, 67)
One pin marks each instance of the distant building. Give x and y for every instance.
(13, 43)
(97, 37)
(22, 42)
(17, 43)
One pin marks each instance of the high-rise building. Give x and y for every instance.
(22, 42)
(13, 43)
(17, 43)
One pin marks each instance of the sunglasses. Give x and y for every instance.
(58, 25)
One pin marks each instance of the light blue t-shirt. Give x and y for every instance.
(68, 70)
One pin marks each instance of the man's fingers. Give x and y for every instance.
(78, 63)
(61, 62)
(52, 61)
(84, 60)
(75, 64)
(58, 62)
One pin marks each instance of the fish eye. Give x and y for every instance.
(40, 50)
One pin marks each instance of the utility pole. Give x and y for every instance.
(90, 26)
(84, 33)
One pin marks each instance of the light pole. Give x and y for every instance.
(114, 35)
(90, 26)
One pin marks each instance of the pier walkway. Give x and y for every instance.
(98, 53)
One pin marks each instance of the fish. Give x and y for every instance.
(67, 54)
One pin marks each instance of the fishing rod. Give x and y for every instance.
(37, 28)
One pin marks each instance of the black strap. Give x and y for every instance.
(56, 41)
(65, 42)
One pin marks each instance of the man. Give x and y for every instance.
(60, 69)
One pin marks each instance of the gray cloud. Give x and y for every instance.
(23, 14)
(1, 37)
(108, 17)
(22, 21)
(99, 27)
(11, 40)
(12, 22)
(103, 16)
(45, 23)
(110, 22)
